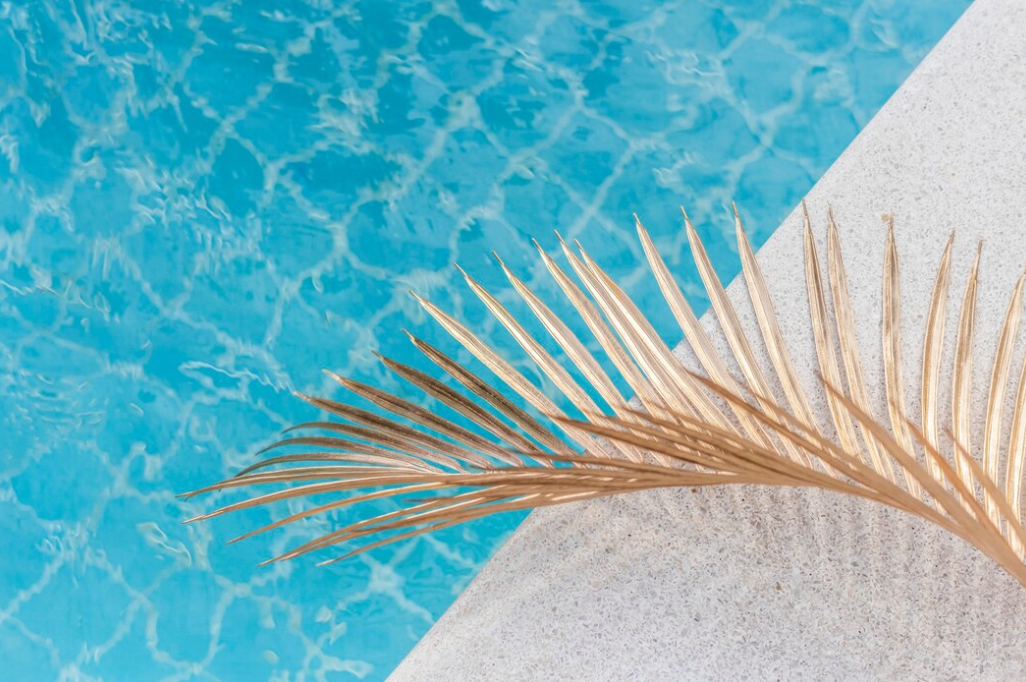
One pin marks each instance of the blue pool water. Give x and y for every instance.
(202, 204)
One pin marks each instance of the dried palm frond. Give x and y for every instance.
(683, 428)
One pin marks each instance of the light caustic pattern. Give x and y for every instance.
(203, 204)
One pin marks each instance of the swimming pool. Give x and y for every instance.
(203, 204)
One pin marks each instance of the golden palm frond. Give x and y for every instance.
(683, 428)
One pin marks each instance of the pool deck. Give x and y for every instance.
(757, 584)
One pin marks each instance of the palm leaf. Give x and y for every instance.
(688, 428)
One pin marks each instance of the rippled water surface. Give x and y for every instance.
(202, 204)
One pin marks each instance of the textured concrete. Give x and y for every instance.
(751, 584)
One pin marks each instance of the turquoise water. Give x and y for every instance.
(202, 204)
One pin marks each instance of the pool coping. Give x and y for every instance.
(782, 584)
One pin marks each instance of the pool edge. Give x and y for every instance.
(918, 157)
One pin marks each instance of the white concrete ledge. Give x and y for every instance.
(755, 584)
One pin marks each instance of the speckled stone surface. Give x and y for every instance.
(752, 584)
